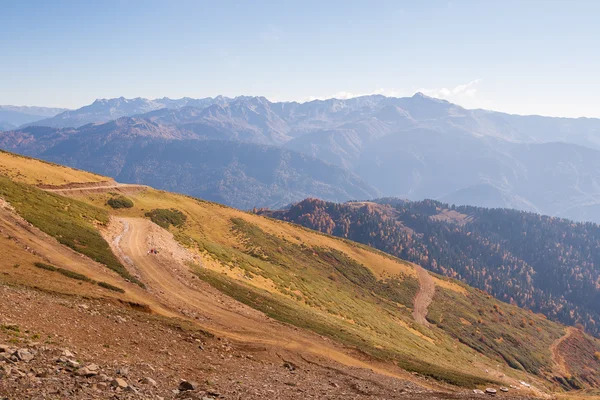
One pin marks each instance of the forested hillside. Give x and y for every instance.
(546, 264)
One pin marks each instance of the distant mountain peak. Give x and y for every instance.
(422, 96)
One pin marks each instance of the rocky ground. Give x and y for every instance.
(58, 347)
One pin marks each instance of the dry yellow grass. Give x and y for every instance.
(34, 172)
(16, 268)
(446, 284)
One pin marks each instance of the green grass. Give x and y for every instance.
(71, 222)
(317, 263)
(47, 267)
(284, 310)
(496, 329)
(166, 217)
(120, 202)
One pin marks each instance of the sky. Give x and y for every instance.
(522, 57)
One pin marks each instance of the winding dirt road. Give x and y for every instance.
(176, 288)
(424, 295)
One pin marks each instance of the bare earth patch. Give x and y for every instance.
(424, 295)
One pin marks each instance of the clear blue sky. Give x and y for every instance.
(526, 57)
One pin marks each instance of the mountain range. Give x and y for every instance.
(415, 147)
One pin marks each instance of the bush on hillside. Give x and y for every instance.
(120, 202)
(73, 275)
(47, 267)
(166, 217)
(65, 272)
(110, 287)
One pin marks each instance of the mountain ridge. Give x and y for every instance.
(418, 146)
(136, 150)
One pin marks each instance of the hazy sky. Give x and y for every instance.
(523, 57)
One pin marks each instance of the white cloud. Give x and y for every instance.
(467, 91)
(464, 91)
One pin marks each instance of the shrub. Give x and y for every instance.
(120, 202)
(110, 287)
(73, 275)
(11, 327)
(597, 355)
(166, 217)
(47, 267)
(65, 272)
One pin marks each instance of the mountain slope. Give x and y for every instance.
(240, 174)
(352, 294)
(551, 178)
(546, 264)
(250, 259)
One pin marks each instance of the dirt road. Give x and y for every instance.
(177, 288)
(51, 251)
(559, 361)
(96, 187)
(424, 295)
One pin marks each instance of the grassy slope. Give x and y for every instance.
(340, 289)
(71, 222)
(34, 172)
(17, 268)
(354, 294)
